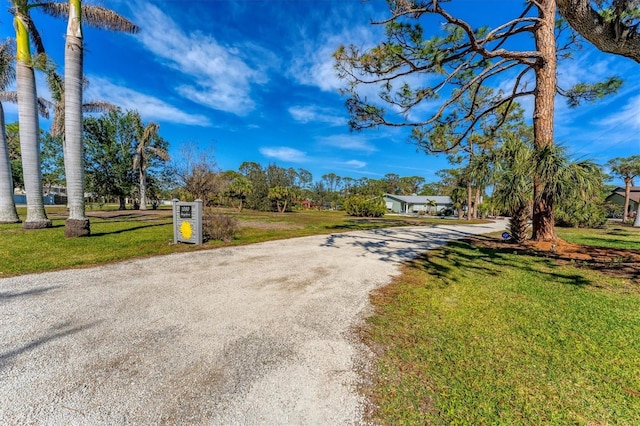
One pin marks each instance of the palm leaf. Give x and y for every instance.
(95, 16)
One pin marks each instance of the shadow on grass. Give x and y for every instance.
(610, 242)
(416, 248)
(463, 255)
(120, 231)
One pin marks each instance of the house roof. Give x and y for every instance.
(420, 199)
(634, 195)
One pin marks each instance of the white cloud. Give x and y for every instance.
(628, 116)
(220, 76)
(313, 62)
(307, 114)
(348, 142)
(150, 108)
(356, 164)
(284, 153)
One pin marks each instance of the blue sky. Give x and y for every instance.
(253, 80)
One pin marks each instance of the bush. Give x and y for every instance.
(217, 226)
(580, 215)
(361, 206)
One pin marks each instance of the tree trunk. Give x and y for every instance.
(469, 202)
(122, 202)
(8, 213)
(77, 225)
(143, 189)
(476, 203)
(543, 116)
(30, 147)
(636, 223)
(627, 195)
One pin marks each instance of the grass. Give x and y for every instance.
(129, 235)
(613, 235)
(479, 336)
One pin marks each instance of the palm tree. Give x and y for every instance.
(626, 168)
(240, 188)
(521, 166)
(146, 135)
(433, 205)
(78, 224)
(28, 113)
(8, 213)
(514, 189)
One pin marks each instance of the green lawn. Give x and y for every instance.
(613, 235)
(130, 234)
(478, 336)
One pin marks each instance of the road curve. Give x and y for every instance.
(259, 334)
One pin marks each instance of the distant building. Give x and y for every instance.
(408, 204)
(617, 197)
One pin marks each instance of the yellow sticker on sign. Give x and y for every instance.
(185, 230)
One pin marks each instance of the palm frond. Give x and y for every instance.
(43, 107)
(7, 58)
(107, 19)
(9, 97)
(98, 106)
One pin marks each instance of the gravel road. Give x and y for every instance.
(260, 334)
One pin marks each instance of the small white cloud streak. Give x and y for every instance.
(284, 153)
(309, 114)
(356, 164)
(348, 142)
(221, 78)
(627, 116)
(150, 108)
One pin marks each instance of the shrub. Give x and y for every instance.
(581, 215)
(361, 206)
(218, 226)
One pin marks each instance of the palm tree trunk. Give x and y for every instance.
(636, 222)
(77, 225)
(143, 190)
(543, 115)
(627, 195)
(30, 146)
(469, 201)
(8, 213)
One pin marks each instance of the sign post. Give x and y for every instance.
(187, 222)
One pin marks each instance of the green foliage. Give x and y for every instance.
(52, 160)
(110, 142)
(582, 214)
(239, 189)
(592, 92)
(362, 206)
(282, 196)
(218, 226)
(471, 335)
(613, 210)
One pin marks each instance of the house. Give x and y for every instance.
(408, 204)
(617, 197)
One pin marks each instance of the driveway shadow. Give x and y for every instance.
(396, 244)
(56, 332)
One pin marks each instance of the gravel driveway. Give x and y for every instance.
(260, 334)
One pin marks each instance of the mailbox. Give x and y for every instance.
(187, 222)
